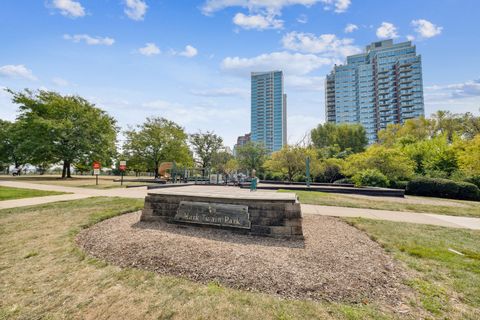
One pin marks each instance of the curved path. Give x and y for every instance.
(141, 192)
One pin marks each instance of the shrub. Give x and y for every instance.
(443, 188)
(370, 177)
(392, 163)
(398, 184)
(475, 180)
(468, 191)
(343, 180)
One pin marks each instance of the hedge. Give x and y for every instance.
(443, 188)
(475, 180)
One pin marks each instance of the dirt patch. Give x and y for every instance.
(335, 262)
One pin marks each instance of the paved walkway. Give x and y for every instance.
(398, 216)
(141, 192)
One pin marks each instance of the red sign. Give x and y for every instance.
(96, 165)
(122, 167)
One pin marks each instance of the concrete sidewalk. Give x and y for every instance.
(8, 204)
(397, 216)
(141, 192)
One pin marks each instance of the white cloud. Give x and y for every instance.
(189, 52)
(60, 82)
(105, 41)
(350, 28)
(327, 44)
(185, 115)
(425, 29)
(290, 63)
(305, 83)
(221, 92)
(299, 127)
(387, 30)
(150, 49)
(302, 18)
(263, 13)
(456, 97)
(272, 6)
(340, 5)
(458, 90)
(69, 8)
(410, 37)
(17, 72)
(257, 21)
(135, 9)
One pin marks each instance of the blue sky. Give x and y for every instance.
(190, 61)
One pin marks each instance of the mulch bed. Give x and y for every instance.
(335, 262)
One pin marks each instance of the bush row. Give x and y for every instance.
(443, 188)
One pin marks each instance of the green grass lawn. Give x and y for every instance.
(104, 182)
(7, 193)
(448, 283)
(43, 274)
(410, 204)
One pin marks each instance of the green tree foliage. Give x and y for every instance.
(251, 155)
(220, 160)
(433, 157)
(327, 170)
(205, 145)
(63, 128)
(155, 141)
(341, 137)
(393, 163)
(412, 130)
(11, 139)
(231, 166)
(371, 178)
(442, 123)
(290, 161)
(469, 156)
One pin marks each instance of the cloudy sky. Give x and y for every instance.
(190, 61)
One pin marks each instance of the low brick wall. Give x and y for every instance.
(268, 217)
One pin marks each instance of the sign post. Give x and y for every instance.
(308, 171)
(96, 170)
(122, 167)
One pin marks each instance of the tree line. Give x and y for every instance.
(54, 129)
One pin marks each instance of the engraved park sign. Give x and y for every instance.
(225, 215)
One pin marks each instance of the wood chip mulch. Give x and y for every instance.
(335, 262)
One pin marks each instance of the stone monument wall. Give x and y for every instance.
(266, 217)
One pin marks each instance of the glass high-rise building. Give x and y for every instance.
(268, 110)
(383, 85)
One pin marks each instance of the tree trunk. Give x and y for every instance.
(68, 170)
(64, 170)
(156, 170)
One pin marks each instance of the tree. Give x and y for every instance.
(412, 130)
(64, 128)
(469, 156)
(290, 161)
(328, 170)
(393, 163)
(205, 145)
(220, 160)
(346, 137)
(155, 141)
(231, 166)
(251, 155)
(11, 137)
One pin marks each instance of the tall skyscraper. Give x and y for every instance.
(268, 110)
(383, 85)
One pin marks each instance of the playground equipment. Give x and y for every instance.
(162, 170)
